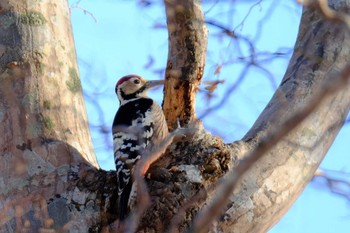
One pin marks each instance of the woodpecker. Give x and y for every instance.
(138, 125)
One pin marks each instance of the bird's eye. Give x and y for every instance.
(137, 81)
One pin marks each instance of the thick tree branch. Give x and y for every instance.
(274, 182)
(63, 192)
(278, 133)
(186, 59)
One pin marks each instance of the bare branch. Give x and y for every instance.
(227, 93)
(186, 59)
(229, 182)
(247, 15)
(85, 11)
(339, 186)
(330, 14)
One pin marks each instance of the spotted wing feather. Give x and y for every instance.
(132, 132)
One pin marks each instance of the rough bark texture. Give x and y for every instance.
(273, 184)
(186, 60)
(40, 87)
(48, 174)
(275, 181)
(43, 124)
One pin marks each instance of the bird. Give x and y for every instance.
(138, 125)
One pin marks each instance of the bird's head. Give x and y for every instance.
(133, 86)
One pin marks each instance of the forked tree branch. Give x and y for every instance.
(271, 137)
(226, 186)
(85, 196)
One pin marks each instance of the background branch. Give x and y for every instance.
(337, 182)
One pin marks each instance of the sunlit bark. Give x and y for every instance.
(186, 60)
(49, 177)
(43, 122)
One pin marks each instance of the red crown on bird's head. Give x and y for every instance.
(126, 78)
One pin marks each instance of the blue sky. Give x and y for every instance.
(128, 38)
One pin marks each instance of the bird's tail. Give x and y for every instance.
(123, 201)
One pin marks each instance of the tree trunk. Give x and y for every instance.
(49, 177)
(43, 123)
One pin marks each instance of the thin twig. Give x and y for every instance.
(85, 11)
(227, 93)
(241, 24)
(339, 186)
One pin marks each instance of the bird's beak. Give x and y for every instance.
(153, 83)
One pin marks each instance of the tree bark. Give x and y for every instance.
(43, 122)
(49, 177)
(273, 183)
(186, 60)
